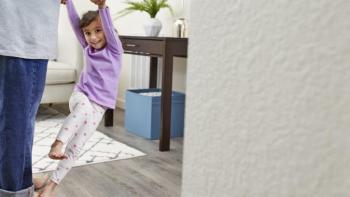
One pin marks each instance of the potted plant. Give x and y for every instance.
(153, 25)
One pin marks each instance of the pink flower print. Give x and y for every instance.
(75, 134)
(76, 126)
(66, 129)
(74, 146)
(94, 123)
(85, 122)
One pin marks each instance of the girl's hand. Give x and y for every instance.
(64, 2)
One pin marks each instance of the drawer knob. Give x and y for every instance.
(131, 45)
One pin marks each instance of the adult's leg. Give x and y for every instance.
(21, 86)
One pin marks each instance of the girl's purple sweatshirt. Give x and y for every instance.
(100, 77)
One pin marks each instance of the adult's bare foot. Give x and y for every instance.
(49, 190)
(56, 151)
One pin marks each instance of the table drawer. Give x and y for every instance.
(143, 46)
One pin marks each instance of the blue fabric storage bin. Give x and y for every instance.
(142, 113)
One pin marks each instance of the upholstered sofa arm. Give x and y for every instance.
(60, 73)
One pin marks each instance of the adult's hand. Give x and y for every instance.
(100, 3)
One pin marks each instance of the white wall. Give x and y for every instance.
(133, 25)
(268, 103)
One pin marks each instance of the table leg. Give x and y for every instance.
(109, 117)
(153, 72)
(165, 120)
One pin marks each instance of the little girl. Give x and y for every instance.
(96, 90)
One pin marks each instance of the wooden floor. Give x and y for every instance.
(158, 174)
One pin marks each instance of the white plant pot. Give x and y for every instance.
(152, 27)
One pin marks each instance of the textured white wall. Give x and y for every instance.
(268, 100)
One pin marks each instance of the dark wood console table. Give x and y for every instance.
(167, 48)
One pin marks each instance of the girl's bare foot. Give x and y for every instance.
(56, 151)
(49, 190)
(39, 182)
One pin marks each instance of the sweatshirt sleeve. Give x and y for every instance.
(112, 38)
(74, 20)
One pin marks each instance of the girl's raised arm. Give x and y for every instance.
(113, 41)
(74, 20)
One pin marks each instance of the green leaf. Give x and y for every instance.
(151, 7)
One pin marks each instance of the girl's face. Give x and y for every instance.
(94, 34)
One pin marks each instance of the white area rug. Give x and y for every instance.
(99, 148)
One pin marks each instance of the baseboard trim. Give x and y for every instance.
(121, 103)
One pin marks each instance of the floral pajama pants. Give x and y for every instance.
(76, 130)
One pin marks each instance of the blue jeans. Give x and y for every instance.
(22, 83)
